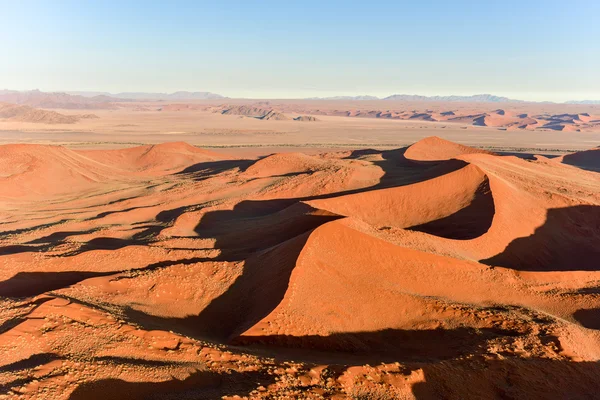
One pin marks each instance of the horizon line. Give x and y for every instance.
(506, 98)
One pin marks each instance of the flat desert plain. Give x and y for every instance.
(244, 124)
(188, 251)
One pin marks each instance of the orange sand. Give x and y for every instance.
(168, 271)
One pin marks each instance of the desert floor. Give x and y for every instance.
(201, 127)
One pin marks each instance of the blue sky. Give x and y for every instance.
(533, 50)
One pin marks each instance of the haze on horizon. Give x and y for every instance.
(534, 50)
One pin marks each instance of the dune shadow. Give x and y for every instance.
(19, 248)
(148, 233)
(199, 385)
(401, 171)
(56, 237)
(124, 210)
(525, 156)
(257, 225)
(140, 361)
(567, 241)
(32, 361)
(388, 345)
(251, 297)
(205, 170)
(509, 378)
(467, 223)
(588, 160)
(27, 284)
(33, 228)
(10, 323)
(588, 317)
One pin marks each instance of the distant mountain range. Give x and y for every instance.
(365, 97)
(182, 95)
(477, 98)
(91, 100)
(583, 102)
(36, 98)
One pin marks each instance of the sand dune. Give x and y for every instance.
(274, 115)
(34, 170)
(170, 270)
(306, 118)
(30, 171)
(428, 201)
(475, 114)
(154, 159)
(248, 111)
(436, 149)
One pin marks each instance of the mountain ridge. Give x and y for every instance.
(71, 99)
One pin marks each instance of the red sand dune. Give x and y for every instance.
(34, 170)
(435, 149)
(476, 114)
(428, 201)
(154, 159)
(175, 272)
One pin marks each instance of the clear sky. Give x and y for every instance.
(527, 49)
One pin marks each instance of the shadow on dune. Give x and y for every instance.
(467, 223)
(526, 156)
(568, 241)
(205, 170)
(19, 248)
(26, 284)
(149, 232)
(509, 378)
(402, 171)
(388, 345)
(10, 323)
(32, 361)
(258, 225)
(124, 210)
(56, 237)
(588, 317)
(199, 385)
(588, 160)
(140, 361)
(251, 297)
(33, 228)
